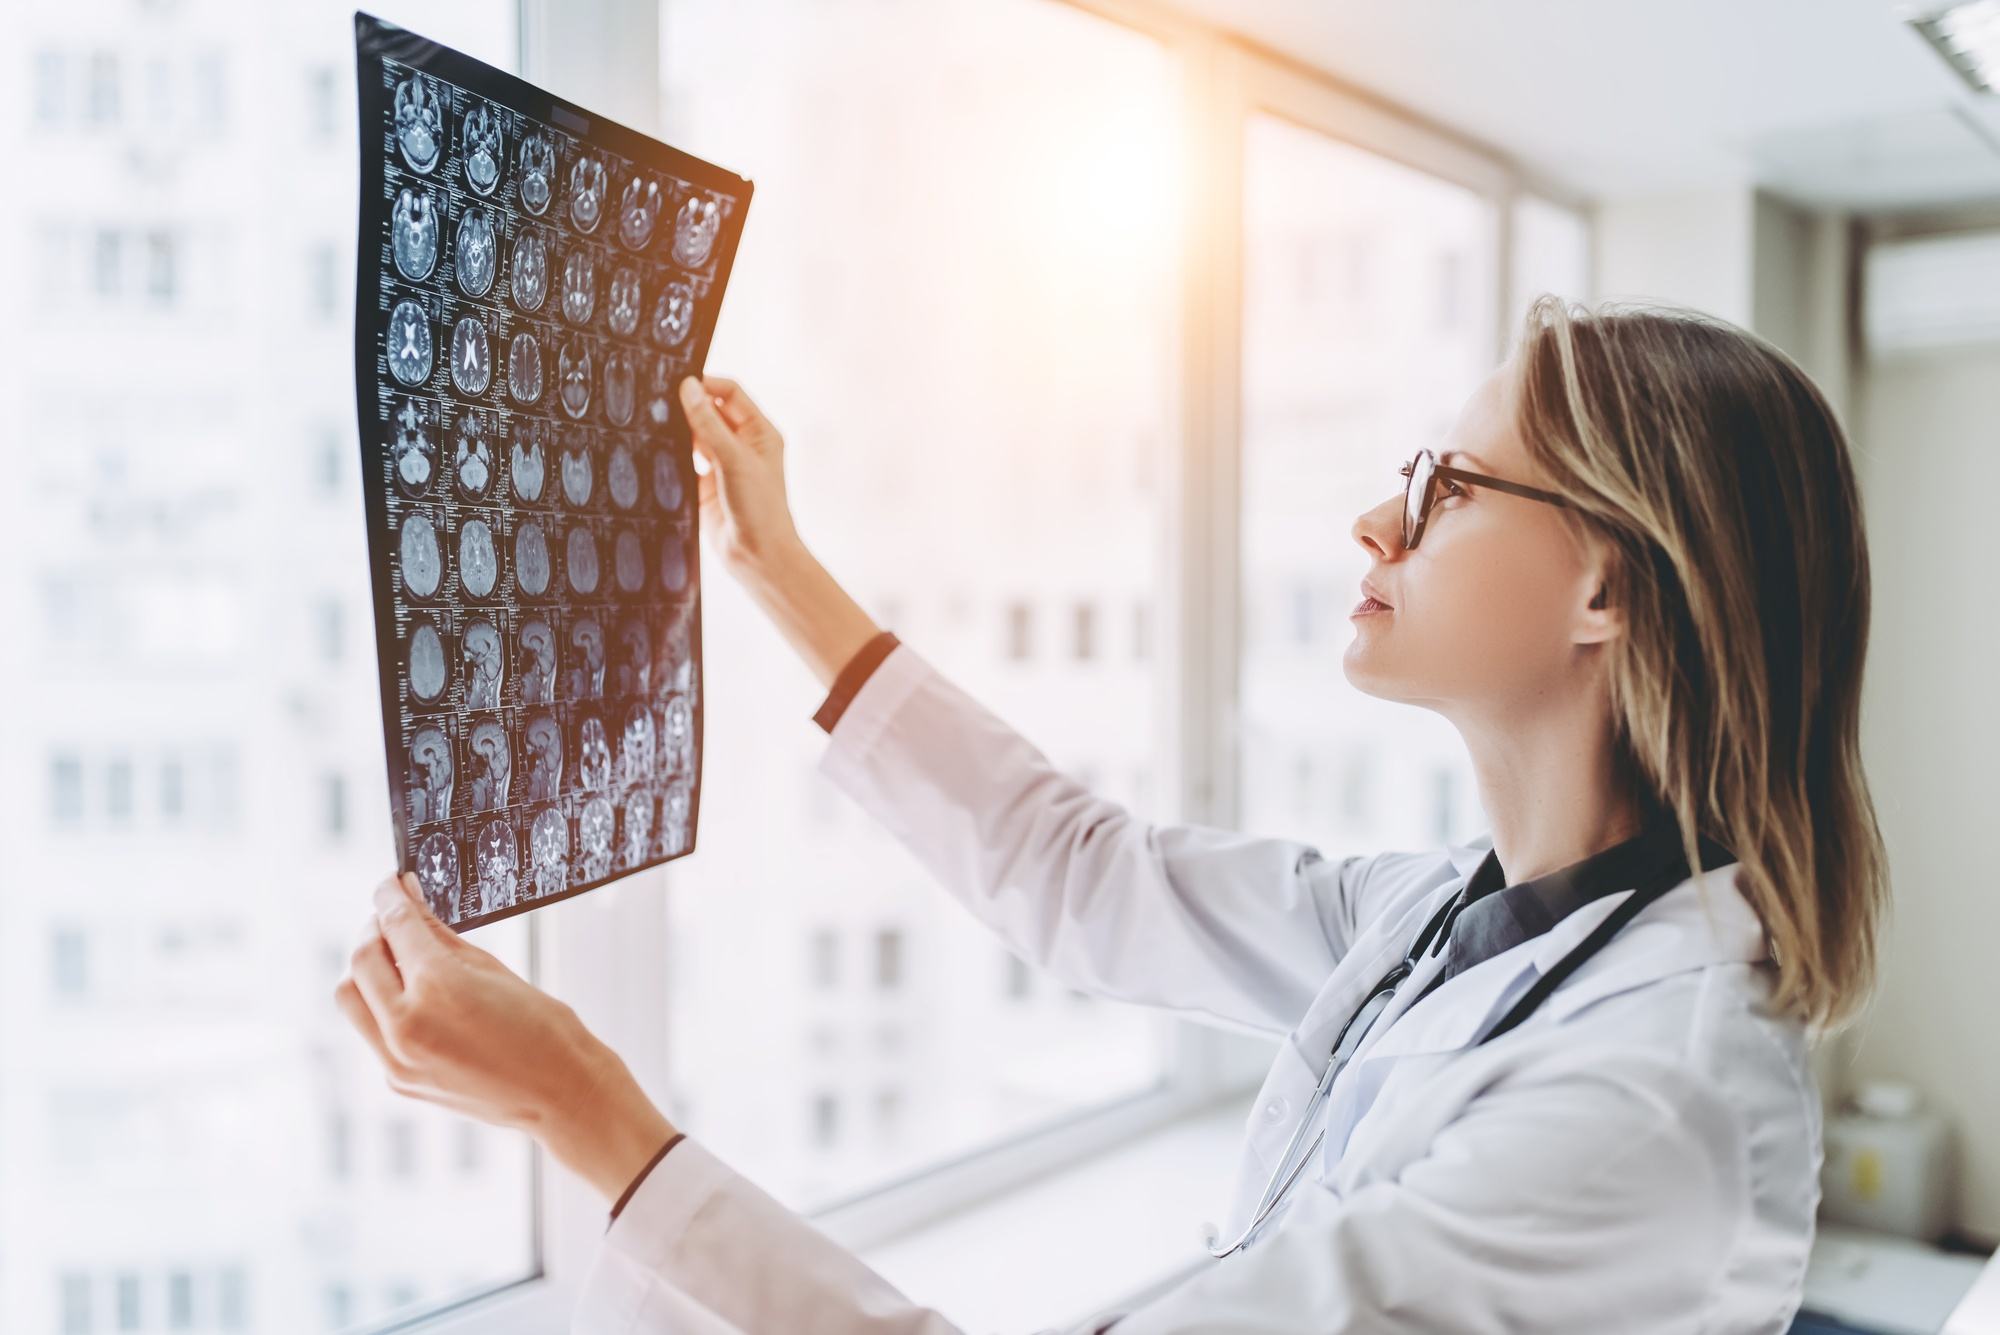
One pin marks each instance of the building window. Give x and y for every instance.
(51, 91)
(1084, 632)
(402, 1138)
(103, 88)
(322, 104)
(232, 1299)
(825, 959)
(69, 963)
(118, 791)
(65, 790)
(180, 1301)
(889, 959)
(130, 1308)
(332, 466)
(173, 789)
(162, 267)
(333, 788)
(825, 1120)
(1020, 631)
(107, 263)
(75, 1297)
(888, 1111)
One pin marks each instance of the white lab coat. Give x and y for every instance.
(1641, 1154)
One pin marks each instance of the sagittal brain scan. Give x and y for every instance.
(534, 282)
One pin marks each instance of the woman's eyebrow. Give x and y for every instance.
(1466, 455)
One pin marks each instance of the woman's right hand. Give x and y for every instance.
(749, 522)
(742, 495)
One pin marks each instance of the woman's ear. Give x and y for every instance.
(1597, 620)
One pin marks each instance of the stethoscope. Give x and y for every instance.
(1434, 935)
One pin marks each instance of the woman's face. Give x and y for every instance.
(1490, 614)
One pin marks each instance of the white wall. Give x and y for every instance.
(1926, 429)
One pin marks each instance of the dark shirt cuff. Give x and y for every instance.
(645, 1172)
(850, 679)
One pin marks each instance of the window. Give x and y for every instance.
(1044, 141)
(1338, 389)
(172, 1027)
(1083, 642)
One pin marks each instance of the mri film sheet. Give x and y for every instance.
(533, 283)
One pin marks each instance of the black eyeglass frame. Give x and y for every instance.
(1413, 530)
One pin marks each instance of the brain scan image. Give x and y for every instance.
(628, 561)
(472, 458)
(543, 738)
(635, 747)
(586, 660)
(673, 563)
(478, 562)
(538, 169)
(471, 359)
(593, 753)
(531, 559)
(676, 731)
(579, 285)
(578, 473)
(634, 661)
(660, 390)
(427, 675)
(695, 227)
(530, 269)
(673, 314)
(593, 839)
(437, 875)
(622, 302)
(548, 852)
(667, 481)
(497, 863)
(492, 763)
(528, 463)
(524, 368)
(422, 558)
(586, 193)
(537, 669)
(413, 233)
(413, 446)
(573, 376)
(485, 665)
(408, 344)
(533, 282)
(580, 560)
(635, 843)
(639, 205)
(478, 252)
(430, 779)
(482, 147)
(621, 395)
(622, 475)
(674, 813)
(419, 123)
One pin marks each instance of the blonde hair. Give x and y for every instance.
(1720, 478)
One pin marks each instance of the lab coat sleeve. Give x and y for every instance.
(1607, 1197)
(1229, 927)
(700, 1250)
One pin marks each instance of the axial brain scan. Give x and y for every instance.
(534, 283)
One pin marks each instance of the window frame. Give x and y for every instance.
(601, 953)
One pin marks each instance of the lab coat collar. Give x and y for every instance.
(1671, 935)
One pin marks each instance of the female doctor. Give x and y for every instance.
(1550, 1080)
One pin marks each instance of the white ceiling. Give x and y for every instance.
(1831, 102)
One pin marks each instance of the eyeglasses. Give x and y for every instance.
(1424, 472)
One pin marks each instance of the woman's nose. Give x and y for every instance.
(1380, 530)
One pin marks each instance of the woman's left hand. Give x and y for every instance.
(455, 1026)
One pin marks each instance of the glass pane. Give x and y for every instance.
(190, 1136)
(1368, 317)
(958, 295)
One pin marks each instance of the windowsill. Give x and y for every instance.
(1093, 1235)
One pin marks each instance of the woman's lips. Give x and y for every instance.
(1369, 606)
